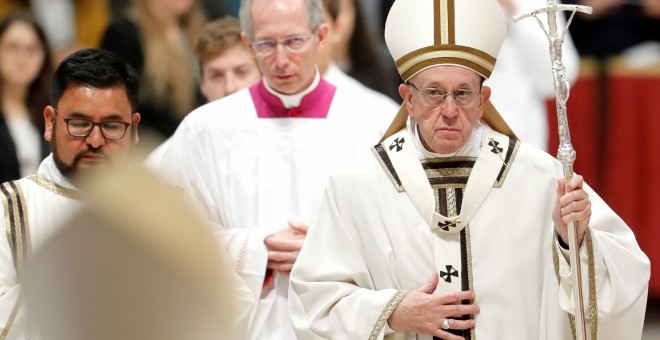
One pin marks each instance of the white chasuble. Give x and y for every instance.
(40, 203)
(441, 202)
(371, 242)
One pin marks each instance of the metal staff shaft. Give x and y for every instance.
(565, 153)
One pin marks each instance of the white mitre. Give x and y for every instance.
(427, 33)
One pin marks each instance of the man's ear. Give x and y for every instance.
(322, 31)
(406, 95)
(483, 98)
(246, 41)
(135, 119)
(332, 35)
(49, 118)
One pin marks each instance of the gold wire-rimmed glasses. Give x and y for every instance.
(436, 97)
(292, 44)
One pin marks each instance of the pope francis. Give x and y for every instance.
(451, 228)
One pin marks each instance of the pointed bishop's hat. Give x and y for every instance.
(425, 33)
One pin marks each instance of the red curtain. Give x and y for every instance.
(614, 117)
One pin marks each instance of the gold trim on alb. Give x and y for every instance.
(58, 189)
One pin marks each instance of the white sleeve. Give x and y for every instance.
(9, 286)
(331, 293)
(186, 163)
(622, 273)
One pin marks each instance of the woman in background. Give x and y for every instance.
(357, 50)
(156, 37)
(25, 71)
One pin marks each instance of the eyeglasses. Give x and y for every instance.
(81, 127)
(436, 97)
(292, 44)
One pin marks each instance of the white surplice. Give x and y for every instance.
(50, 199)
(368, 245)
(251, 175)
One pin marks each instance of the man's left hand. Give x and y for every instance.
(284, 246)
(571, 205)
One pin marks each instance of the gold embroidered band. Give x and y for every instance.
(382, 319)
(417, 60)
(18, 236)
(58, 189)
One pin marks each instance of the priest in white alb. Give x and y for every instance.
(451, 228)
(91, 126)
(256, 162)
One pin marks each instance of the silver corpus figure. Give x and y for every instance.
(566, 153)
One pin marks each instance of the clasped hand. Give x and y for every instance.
(284, 246)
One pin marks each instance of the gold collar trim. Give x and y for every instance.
(58, 189)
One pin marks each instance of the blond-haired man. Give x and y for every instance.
(226, 64)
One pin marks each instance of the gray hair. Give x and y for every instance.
(314, 15)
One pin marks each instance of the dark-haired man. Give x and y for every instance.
(91, 124)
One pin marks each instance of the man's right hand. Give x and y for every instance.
(423, 313)
(284, 246)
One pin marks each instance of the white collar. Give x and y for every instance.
(49, 171)
(470, 149)
(293, 100)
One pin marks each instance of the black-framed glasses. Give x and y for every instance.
(436, 97)
(82, 127)
(292, 44)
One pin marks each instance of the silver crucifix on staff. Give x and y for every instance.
(565, 153)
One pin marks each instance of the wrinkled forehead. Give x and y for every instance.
(278, 19)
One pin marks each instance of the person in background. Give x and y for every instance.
(615, 26)
(523, 80)
(436, 233)
(356, 49)
(334, 75)
(69, 25)
(226, 65)
(91, 124)
(25, 71)
(255, 162)
(157, 38)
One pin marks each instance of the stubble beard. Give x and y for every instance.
(72, 171)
